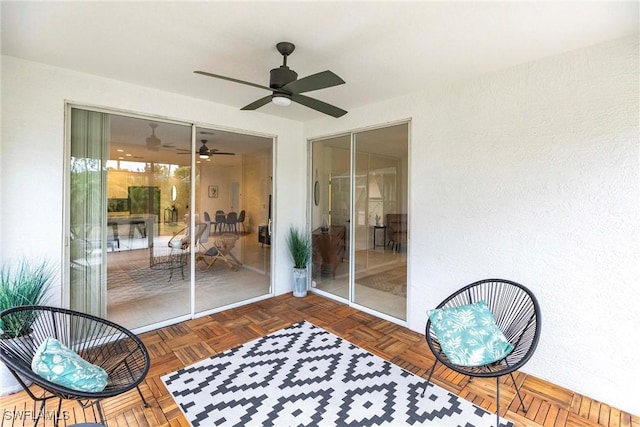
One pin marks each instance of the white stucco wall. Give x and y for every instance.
(31, 168)
(532, 174)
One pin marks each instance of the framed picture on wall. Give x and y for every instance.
(213, 191)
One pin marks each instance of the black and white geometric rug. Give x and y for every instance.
(304, 375)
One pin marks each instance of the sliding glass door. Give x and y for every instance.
(233, 194)
(331, 215)
(361, 197)
(159, 232)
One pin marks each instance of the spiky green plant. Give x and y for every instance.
(25, 283)
(299, 245)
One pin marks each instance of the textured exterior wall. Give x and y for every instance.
(532, 174)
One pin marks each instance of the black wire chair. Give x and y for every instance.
(101, 342)
(517, 314)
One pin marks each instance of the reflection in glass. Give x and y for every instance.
(148, 188)
(330, 216)
(364, 208)
(380, 280)
(142, 219)
(233, 259)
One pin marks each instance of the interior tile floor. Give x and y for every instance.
(139, 296)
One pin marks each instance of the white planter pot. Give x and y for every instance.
(8, 383)
(299, 282)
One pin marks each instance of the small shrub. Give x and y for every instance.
(299, 247)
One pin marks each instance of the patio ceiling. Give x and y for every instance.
(381, 49)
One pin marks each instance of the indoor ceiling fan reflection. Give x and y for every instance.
(205, 152)
(153, 142)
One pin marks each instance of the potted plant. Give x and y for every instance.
(24, 283)
(299, 245)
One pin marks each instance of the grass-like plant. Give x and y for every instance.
(24, 283)
(299, 245)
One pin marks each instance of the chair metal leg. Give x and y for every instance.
(497, 401)
(146, 405)
(99, 408)
(56, 416)
(42, 409)
(433, 368)
(524, 408)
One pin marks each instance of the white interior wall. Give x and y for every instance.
(532, 174)
(255, 195)
(32, 163)
(222, 176)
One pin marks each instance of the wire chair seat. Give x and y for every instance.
(517, 315)
(98, 341)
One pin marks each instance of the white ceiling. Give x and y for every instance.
(381, 49)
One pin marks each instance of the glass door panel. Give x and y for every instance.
(331, 215)
(360, 209)
(233, 200)
(154, 239)
(380, 273)
(87, 227)
(148, 195)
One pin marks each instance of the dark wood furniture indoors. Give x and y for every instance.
(396, 230)
(328, 249)
(263, 235)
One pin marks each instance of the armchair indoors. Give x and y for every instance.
(397, 230)
(98, 341)
(328, 249)
(181, 240)
(180, 244)
(220, 250)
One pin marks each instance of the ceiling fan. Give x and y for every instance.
(153, 142)
(285, 86)
(205, 152)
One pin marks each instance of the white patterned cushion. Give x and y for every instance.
(468, 334)
(59, 364)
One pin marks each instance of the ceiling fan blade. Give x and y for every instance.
(316, 81)
(257, 104)
(318, 105)
(231, 79)
(217, 153)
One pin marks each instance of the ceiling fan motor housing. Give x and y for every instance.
(281, 76)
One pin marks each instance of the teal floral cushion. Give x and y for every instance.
(59, 364)
(468, 334)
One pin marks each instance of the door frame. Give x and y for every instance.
(351, 247)
(66, 194)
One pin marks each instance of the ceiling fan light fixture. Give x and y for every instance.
(153, 142)
(203, 156)
(281, 100)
